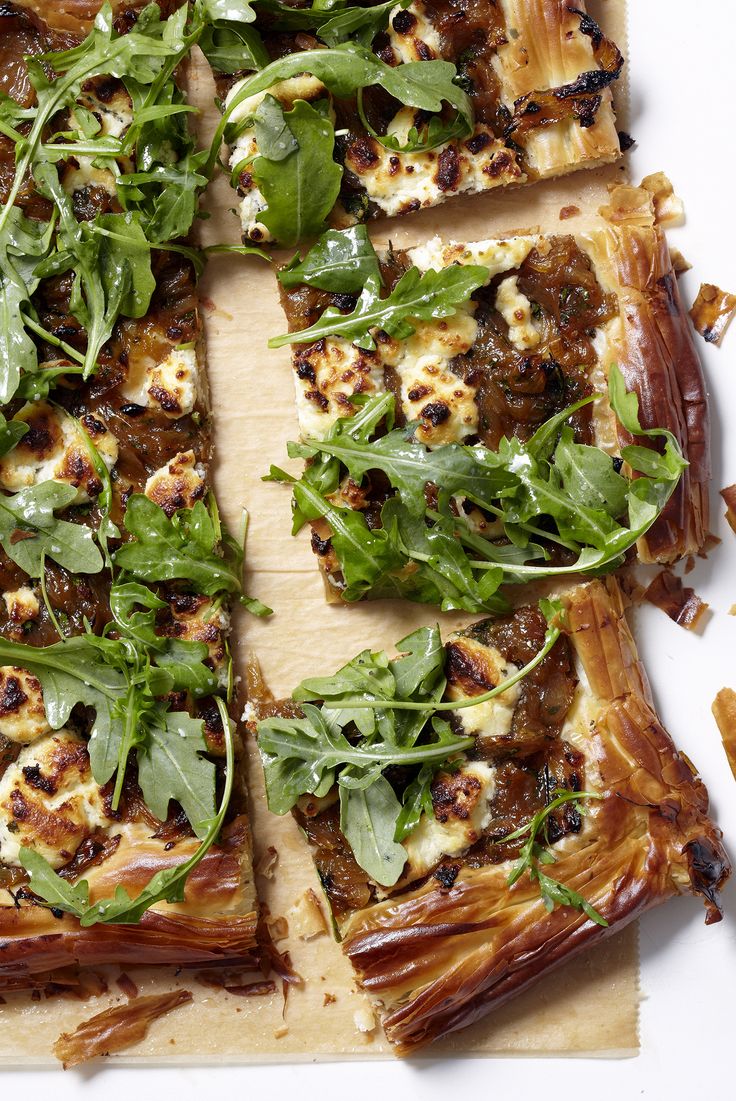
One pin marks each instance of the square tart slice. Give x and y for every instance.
(453, 940)
(537, 75)
(138, 430)
(555, 313)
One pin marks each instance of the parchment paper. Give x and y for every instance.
(589, 1006)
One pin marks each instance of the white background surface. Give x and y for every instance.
(682, 78)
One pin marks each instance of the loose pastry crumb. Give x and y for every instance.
(729, 496)
(266, 865)
(680, 603)
(712, 312)
(724, 711)
(365, 1019)
(669, 209)
(306, 917)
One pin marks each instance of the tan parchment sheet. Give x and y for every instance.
(589, 1006)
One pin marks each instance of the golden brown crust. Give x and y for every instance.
(35, 942)
(439, 959)
(660, 362)
(551, 51)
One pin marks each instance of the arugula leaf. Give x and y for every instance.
(183, 547)
(417, 295)
(358, 24)
(120, 685)
(29, 530)
(111, 258)
(533, 854)
(23, 244)
(274, 139)
(342, 260)
(368, 819)
(167, 885)
(300, 186)
(375, 713)
(349, 67)
(151, 49)
(548, 490)
(11, 433)
(55, 891)
(171, 766)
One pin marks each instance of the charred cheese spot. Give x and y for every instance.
(411, 35)
(54, 448)
(22, 712)
(399, 183)
(473, 669)
(179, 484)
(461, 802)
(430, 393)
(49, 801)
(172, 385)
(516, 310)
(22, 605)
(327, 374)
(287, 92)
(194, 618)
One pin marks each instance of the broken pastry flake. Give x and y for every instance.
(680, 603)
(729, 496)
(712, 312)
(116, 1028)
(724, 712)
(306, 917)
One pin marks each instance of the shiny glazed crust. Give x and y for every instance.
(661, 363)
(437, 959)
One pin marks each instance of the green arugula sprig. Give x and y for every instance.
(167, 885)
(418, 295)
(118, 681)
(376, 713)
(296, 207)
(298, 178)
(342, 260)
(190, 545)
(29, 530)
(349, 67)
(533, 854)
(549, 490)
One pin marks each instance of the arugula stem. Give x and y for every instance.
(49, 338)
(127, 740)
(550, 638)
(47, 602)
(535, 823)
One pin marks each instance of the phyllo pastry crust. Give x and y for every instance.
(124, 834)
(408, 106)
(567, 813)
